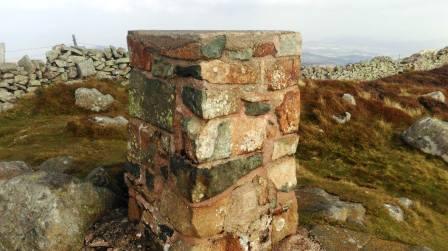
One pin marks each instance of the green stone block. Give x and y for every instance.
(193, 71)
(209, 104)
(289, 45)
(162, 69)
(152, 100)
(256, 108)
(198, 184)
(214, 48)
(242, 55)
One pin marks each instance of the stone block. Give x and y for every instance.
(152, 100)
(148, 145)
(286, 218)
(220, 72)
(282, 173)
(210, 103)
(198, 183)
(285, 146)
(207, 141)
(281, 73)
(288, 112)
(86, 68)
(288, 44)
(140, 55)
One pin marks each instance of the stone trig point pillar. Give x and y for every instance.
(213, 137)
(2, 53)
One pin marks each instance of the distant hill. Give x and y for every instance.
(316, 59)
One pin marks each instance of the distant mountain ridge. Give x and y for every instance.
(309, 58)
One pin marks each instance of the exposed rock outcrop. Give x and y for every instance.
(48, 211)
(429, 135)
(9, 169)
(330, 207)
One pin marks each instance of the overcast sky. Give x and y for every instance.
(397, 26)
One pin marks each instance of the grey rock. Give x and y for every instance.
(86, 68)
(35, 83)
(348, 98)
(10, 169)
(49, 211)
(8, 75)
(26, 63)
(395, 212)
(99, 177)
(92, 99)
(122, 61)
(21, 79)
(6, 96)
(52, 55)
(342, 118)
(108, 121)
(60, 63)
(429, 135)
(438, 96)
(330, 207)
(405, 202)
(60, 164)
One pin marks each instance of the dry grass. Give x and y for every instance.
(48, 125)
(366, 161)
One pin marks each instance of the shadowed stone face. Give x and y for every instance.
(197, 184)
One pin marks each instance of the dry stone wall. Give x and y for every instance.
(63, 63)
(379, 67)
(213, 137)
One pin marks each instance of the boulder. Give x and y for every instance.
(318, 202)
(49, 211)
(92, 99)
(60, 164)
(395, 212)
(405, 202)
(10, 169)
(349, 99)
(429, 135)
(342, 118)
(438, 96)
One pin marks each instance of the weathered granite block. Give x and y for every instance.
(212, 141)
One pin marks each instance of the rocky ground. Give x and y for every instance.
(360, 186)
